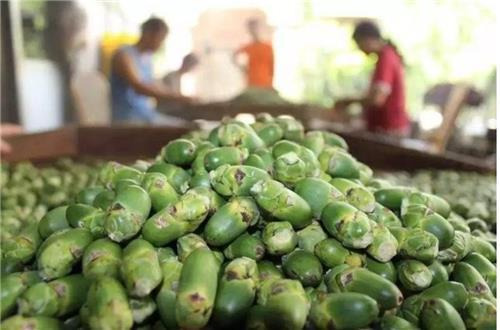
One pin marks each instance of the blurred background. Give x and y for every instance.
(56, 59)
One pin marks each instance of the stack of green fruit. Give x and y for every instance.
(472, 196)
(258, 226)
(28, 192)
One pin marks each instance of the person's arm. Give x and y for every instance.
(383, 79)
(380, 89)
(342, 104)
(7, 130)
(124, 67)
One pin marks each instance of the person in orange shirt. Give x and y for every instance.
(260, 66)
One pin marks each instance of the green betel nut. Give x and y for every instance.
(231, 220)
(140, 268)
(63, 249)
(282, 203)
(347, 224)
(236, 292)
(196, 294)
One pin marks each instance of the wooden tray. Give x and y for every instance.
(127, 143)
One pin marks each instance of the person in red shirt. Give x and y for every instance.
(260, 66)
(384, 107)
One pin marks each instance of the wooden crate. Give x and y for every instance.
(127, 143)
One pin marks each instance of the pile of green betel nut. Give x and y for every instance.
(28, 192)
(258, 226)
(471, 195)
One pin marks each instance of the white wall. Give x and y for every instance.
(41, 95)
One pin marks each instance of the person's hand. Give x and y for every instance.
(188, 100)
(341, 105)
(7, 130)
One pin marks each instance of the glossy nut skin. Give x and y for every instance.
(111, 173)
(332, 253)
(392, 322)
(107, 305)
(480, 314)
(420, 216)
(414, 275)
(53, 221)
(435, 203)
(56, 298)
(236, 180)
(384, 246)
(176, 176)
(161, 193)
(317, 193)
(262, 159)
(230, 221)
(284, 302)
(292, 128)
(484, 267)
(439, 272)
(459, 248)
(314, 141)
(34, 323)
(385, 269)
(187, 244)
(418, 244)
(347, 310)
(289, 169)
(355, 194)
(23, 246)
(392, 197)
(347, 224)
(196, 295)
(303, 266)
(472, 280)
(142, 308)
(102, 257)
(282, 203)
(361, 280)
(310, 236)
(87, 217)
(236, 292)
(246, 245)
(384, 216)
(338, 163)
(140, 268)
(224, 155)
(270, 133)
(179, 152)
(88, 195)
(167, 296)
(13, 285)
(439, 314)
(453, 292)
(182, 217)
(63, 249)
(127, 213)
(238, 134)
(279, 238)
(307, 156)
(483, 247)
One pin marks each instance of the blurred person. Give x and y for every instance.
(259, 70)
(7, 130)
(384, 106)
(133, 87)
(173, 79)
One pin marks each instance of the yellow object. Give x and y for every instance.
(110, 42)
